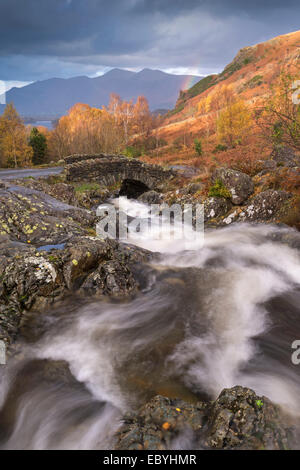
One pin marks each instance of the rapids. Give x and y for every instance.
(223, 313)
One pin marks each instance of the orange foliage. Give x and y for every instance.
(92, 130)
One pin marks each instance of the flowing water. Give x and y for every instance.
(214, 316)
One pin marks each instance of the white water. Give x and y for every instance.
(216, 316)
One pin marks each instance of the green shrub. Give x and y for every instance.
(220, 148)
(198, 147)
(219, 190)
(132, 152)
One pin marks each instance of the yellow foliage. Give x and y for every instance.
(14, 148)
(233, 123)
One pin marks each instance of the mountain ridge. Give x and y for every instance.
(55, 96)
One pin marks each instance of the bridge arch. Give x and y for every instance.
(134, 176)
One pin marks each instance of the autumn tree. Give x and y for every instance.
(14, 148)
(38, 142)
(92, 130)
(280, 116)
(233, 123)
(143, 119)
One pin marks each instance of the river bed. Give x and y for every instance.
(222, 314)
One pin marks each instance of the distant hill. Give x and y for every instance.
(53, 97)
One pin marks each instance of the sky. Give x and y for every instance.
(40, 39)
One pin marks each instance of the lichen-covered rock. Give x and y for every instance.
(31, 216)
(58, 189)
(34, 279)
(238, 184)
(159, 423)
(150, 197)
(215, 207)
(238, 419)
(266, 206)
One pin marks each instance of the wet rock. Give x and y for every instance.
(159, 423)
(239, 184)
(110, 278)
(266, 206)
(238, 419)
(34, 279)
(215, 207)
(150, 197)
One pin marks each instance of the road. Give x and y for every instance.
(34, 172)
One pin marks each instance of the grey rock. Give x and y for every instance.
(150, 197)
(238, 419)
(215, 207)
(85, 266)
(238, 184)
(265, 206)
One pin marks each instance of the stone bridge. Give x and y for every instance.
(134, 176)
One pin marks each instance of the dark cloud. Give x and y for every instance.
(43, 38)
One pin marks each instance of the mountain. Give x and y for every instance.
(250, 75)
(53, 97)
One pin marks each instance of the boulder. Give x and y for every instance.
(159, 423)
(265, 206)
(215, 207)
(34, 279)
(238, 419)
(238, 184)
(150, 197)
(110, 278)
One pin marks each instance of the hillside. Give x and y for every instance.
(250, 76)
(55, 96)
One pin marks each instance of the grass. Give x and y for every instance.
(87, 187)
(200, 86)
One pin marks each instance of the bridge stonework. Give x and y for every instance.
(109, 170)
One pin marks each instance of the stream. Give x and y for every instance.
(208, 317)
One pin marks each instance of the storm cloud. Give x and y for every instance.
(45, 38)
